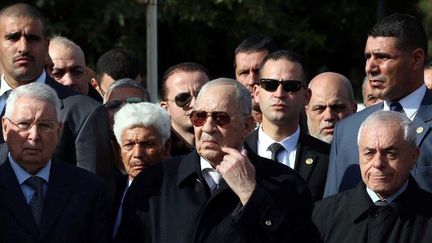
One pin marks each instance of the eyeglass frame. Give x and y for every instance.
(215, 120)
(188, 100)
(299, 83)
(51, 125)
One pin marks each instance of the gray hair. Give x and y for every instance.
(126, 83)
(142, 115)
(242, 95)
(65, 42)
(38, 91)
(387, 116)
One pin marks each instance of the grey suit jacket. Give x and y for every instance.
(76, 208)
(311, 161)
(344, 171)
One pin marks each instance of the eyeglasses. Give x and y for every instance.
(115, 104)
(43, 126)
(272, 85)
(183, 99)
(221, 118)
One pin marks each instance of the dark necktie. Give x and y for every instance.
(396, 106)
(213, 179)
(275, 149)
(37, 201)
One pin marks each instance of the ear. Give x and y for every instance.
(354, 107)
(249, 127)
(256, 90)
(59, 129)
(164, 104)
(94, 84)
(5, 128)
(308, 94)
(166, 150)
(418, 57)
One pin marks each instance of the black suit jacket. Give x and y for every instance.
(84, 140)
(311, 161)
(350, 217)
(76, 208)
(344, 171)
(170, 202)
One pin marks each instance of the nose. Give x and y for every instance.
(192, 102)
(329, 114)
(279, 92)
(209, 125)
(67, 79)
(252, 78)
(378, 160)
(33, 133)
(371, 65)
(24, 45)
(139, 150)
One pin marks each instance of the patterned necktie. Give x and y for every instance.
(213, 178)
(396, 106)
(275, 149)
(37, 201)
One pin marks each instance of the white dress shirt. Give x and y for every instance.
(410, 103)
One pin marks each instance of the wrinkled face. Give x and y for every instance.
(209, 138)
(121, 94)
(280, 107)
(23, 48)
(31, 149)
(182, 82)
(368, 98)
(388, 68)
(69, 68)
(385, 157)
(329, 103)
(247, 70)
(141, 147)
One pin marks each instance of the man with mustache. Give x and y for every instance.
(84, 139)
(142, 131)
(395, 53)
(222, 191)
(281, 93)
(332, 100)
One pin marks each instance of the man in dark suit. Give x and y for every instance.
(222, 192)
(388, 205)
(23, 47)
(282, 95)
(395, 54)
(43, 199)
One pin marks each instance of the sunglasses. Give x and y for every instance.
(115, 104)
(272, 85)
(221, 118)
(183, 99)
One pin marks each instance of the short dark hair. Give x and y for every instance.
(118, 63)
(406, 28)
(290, 56)
(428, 64)
(256, 43)
(182, 67)
(24, 10)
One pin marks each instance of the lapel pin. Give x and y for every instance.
(309, 161)
(419, 129)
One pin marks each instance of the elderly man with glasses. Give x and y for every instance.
(180, 85)
(282, 94)
(222, 191)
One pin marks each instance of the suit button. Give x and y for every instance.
(268, 223)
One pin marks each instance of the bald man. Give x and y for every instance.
(332, 100)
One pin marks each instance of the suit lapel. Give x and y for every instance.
(12, 197)
(252, 141)
(305, 158)
(59, 190)
(423, 119)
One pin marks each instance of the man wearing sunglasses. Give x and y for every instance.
(223, 191)
(282, 95)
(180, 85)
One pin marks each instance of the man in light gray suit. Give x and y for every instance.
(395, 54)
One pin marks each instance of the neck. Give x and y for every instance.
(188, 137)
(277, 132)
(14, 83)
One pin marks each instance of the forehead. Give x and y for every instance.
(66, 56)
(125, 92)
(217, 98)
(328, 89)
(244, 59)
(181, 80)
(28, 25)
(140, 133)
(282, 69)
(383, 133)
(381, 44)
(25, 105)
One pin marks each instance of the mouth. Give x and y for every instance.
(23, 60)
(328, 130)
(376, 82)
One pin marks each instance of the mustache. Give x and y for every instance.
(379, 77)
(23, 55)
(326, 125)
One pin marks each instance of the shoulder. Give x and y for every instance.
(315, 144)
(331, 208)
(75, 175)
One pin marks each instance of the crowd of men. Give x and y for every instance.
(274, 155)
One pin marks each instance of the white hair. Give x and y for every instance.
(142, 115)
(38, 91)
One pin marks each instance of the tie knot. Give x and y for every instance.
(275, 148)
(396, 106)
(381, 203)
(215, 176)
(35, 182)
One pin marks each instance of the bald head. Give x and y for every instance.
(332, 100)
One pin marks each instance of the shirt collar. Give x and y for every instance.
(410, 103)
(390, 199)
(289, 143)
(4, 86)
(22, 175)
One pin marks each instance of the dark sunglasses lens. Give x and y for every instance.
(269, 85)
(113, 104)
(291, 86)
(198, 118)
(182, 99)
(134, 100)
(221, 118)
